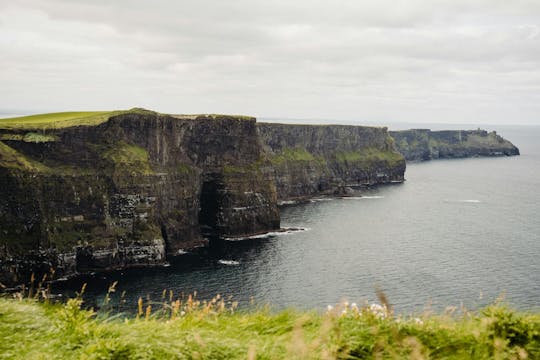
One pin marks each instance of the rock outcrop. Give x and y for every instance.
(424, 144)
(309, 160)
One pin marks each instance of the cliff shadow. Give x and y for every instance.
(209, 206)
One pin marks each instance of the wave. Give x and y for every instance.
(282, 232)
(287, 202)
(320, 199)
(469, 201)
(229, 262)
(362, 197)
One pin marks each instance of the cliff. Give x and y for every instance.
(329, 159)
(112, 190)
(424, 144)
(128, 191)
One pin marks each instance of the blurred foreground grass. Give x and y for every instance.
(190, 329)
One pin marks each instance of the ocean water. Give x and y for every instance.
(457, 232)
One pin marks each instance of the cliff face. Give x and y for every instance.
(128, 192)
(424, 144)
(317, 159)
(131, 189)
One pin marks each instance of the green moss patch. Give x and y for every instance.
(131, 158)
(11, 158)
(369, 155)
(39, 138)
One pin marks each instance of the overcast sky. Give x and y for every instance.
(415, 61)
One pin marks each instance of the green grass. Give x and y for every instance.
(61, 120)
(369, 155)
(56, 120)
(190, 329)
(130, 157)
(11, 158)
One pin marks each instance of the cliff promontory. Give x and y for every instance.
(128, 191)
(424, 144)
(82, 192)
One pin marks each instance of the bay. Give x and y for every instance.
(457, 233)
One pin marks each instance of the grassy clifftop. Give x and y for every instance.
(215, 330)
(60, 120)
(57, 120)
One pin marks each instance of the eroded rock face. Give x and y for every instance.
(143, 186)
(328, 159)
(424, 144)
(129, 192)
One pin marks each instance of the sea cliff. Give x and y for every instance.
(310, 160)
(133, 188)
(424, 144)
(129, 191)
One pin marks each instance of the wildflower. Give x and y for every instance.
(379, 311)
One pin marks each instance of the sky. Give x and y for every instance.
(455, 61)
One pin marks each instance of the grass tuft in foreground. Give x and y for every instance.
(191, 329)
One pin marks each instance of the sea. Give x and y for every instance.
(457, 233)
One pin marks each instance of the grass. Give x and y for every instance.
(61, 120)
(11, 158)
(369, 155)
(191, 329)
(130, 157)
(56, 120)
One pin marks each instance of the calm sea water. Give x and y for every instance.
(456, 232)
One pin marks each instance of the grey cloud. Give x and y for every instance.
(394, 60)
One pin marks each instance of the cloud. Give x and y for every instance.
(388, 60)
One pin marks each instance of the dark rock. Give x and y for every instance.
(142, 187)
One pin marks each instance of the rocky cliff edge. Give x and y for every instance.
(131, 188)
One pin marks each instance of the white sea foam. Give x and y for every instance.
(287, 202)
(320, 199)
(267, 235)
(470, 201)
(229, 262)
(362, 197)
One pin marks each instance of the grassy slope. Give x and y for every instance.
(191, 330)
(85, 118)
(56, 120)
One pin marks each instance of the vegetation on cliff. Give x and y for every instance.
(62, 120)
(215, 329)
(369, 156)
(56, 120)
(424, 144)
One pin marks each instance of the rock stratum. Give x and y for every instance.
(424, 144)
(133, 188)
